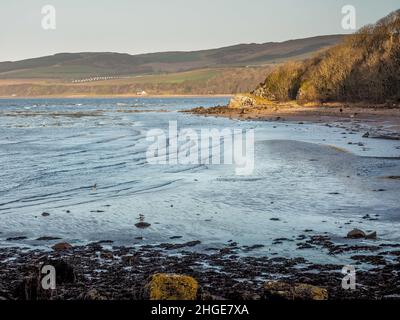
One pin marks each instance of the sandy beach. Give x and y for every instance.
(377, 116)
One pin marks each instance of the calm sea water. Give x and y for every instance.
(52, 153)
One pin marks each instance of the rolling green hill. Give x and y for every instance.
(69, 66)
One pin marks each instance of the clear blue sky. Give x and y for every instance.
(139, 26)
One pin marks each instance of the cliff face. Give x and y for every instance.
(364, 67)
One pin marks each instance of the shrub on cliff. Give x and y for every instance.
(366, 66)
(283, 83)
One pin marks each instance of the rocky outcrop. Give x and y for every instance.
(142, 225)
(371, 236)
(356, 234)
(62, 246)
(240, 101)
(277, 290)
(171, 287)
(359, 234)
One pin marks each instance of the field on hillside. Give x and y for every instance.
(203, 81)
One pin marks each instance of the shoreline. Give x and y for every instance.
(101, 271)
(118, 96)
(376, 116)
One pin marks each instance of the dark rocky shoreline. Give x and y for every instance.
(100, 271)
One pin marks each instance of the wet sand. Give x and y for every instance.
(376, 116)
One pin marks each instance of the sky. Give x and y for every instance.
(142, 26)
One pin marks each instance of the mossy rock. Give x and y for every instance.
(247, 101)
(171, 287)
(240, 101)
(277, 290)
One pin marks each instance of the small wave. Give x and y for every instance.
(68, 154)
(33, 205)
(110, 139)
(193, 168)
(110, 165)
(239, 179)
(156, 187)
(381, 158)
(33, 198)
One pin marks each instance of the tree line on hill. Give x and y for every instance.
(364, 67)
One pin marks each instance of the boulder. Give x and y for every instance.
(277, 290)
(142, 225)
(61, 246)
(107, 255)
(371, 236)
(65, 272)
(130, 260)
(92, 294)
(241, 101)
(164, 286)
(356, 234)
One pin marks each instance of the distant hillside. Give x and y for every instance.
(70, 66)
(201, 81)
(364, 67)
